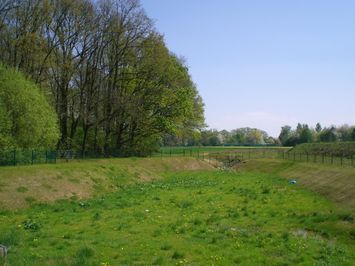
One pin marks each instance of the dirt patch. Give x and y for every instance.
(24, 185)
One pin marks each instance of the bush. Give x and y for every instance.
(27, 120)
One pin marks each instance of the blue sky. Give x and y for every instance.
(265, 63)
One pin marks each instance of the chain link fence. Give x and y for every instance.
(28, 157)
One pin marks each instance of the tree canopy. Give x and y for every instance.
(108, 73)
(26, 119)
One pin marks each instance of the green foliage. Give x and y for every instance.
(212, 137)
(114, 83)
(305, 134)
(27, 120)
(230, 217)
(336, 148)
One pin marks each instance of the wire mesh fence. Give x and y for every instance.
(24, 157)
(28, 157)
(267, 153)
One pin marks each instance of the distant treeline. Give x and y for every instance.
(306, 134)
(241, 136)
(104, 68)
(255, 137)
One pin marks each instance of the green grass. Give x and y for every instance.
(21, 186)
(346, 149)
(196, 217)
(334, 182)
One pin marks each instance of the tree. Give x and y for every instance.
(353, 134)
(284, 134)
(344, 133)
(114, 84)
(304, 134)
(26, 119)
(328, 135)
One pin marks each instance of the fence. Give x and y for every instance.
(27, 157)
(23, 157)
(267, 153)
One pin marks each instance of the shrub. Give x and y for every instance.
(27, 120)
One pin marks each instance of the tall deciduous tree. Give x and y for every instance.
(112, 81)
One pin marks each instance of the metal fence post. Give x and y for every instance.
(32, 157)
(14, 158)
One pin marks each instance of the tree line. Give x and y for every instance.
(105, 69)
(212, 137)
(303, 133)
(306, 134)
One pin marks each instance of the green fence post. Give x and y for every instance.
(46, 157)
(55, 157)
(332, 159)
(32, 157)
(14, 158)
(341, 160)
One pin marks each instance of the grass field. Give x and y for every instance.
(334, 182)
(189, 214)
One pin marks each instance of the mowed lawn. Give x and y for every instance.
(189, 218)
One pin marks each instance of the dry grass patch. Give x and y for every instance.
(82, 180)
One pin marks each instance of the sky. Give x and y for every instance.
(265, 63)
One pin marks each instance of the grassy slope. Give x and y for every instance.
(23, 185)
(336, 183)
(199, 218)
(333, 148)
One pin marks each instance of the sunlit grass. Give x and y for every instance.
(210, 217)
